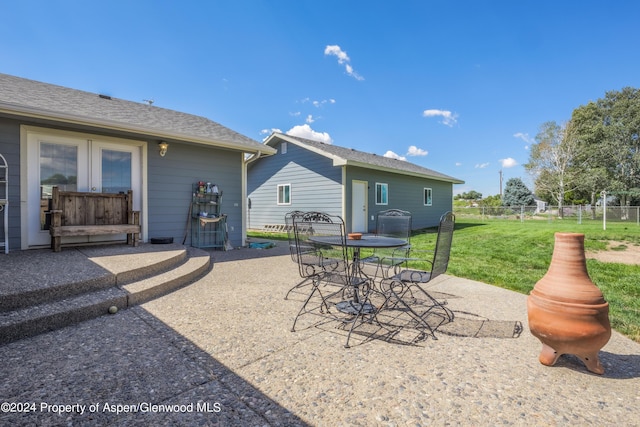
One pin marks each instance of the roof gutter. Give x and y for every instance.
(253, 157)
(343, 162)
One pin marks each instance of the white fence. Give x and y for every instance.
(578, 213)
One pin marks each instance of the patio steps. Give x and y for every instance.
(128, 282)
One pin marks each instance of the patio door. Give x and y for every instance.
(359, 206)
(76, 162)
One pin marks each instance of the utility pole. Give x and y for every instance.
(500, 183)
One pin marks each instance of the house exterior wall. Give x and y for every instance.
(170, 188)
(315, 185)
(169, 180)
(10, 149)
(405, 192)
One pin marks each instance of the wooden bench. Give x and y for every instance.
(76, 213)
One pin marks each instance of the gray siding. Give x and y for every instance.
(170, 188)
(405, 192)
(10, 149)
(315, 185)
(170, 180)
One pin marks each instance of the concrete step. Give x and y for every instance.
(139, 282)
(44, 317)
(76, 272)
(144, 290)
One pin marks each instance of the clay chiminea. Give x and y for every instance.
(567, 312)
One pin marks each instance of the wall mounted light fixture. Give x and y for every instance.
(163, 146)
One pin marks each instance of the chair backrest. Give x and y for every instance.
(288, 222)
(317, 257)
(443, 244)
(394, 223)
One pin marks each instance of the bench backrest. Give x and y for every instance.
(80, 208)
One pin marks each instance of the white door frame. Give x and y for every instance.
(88, 144)
(359, 206)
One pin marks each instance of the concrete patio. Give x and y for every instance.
(220, 352)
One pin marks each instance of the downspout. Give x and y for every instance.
(347, 218)
(245, 208)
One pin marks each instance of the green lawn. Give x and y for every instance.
(515, 255)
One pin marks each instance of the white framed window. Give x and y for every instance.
(284, 194)
(428, 197)
(382, 193)
(283, 147)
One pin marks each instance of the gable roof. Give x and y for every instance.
(30, 98)
(342, 156)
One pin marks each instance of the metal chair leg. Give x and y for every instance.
(298, 286)
(304, 306)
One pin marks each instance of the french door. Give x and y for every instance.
(77, 162)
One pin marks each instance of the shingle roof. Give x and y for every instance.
(349, 156)
(25, 97)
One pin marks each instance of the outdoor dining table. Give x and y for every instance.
(370, 241)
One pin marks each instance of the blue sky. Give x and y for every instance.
(460, 87)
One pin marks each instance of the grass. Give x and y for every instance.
(515, 255)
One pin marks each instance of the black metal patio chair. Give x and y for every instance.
(390, 223)
(313, 259)
(288, 221)
(322, 257)
(406, 289)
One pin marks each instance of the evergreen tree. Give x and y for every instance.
(517, 194)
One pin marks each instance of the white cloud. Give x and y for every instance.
(482, 165)
(268, 132)
(448, 118)
(343, 59)
(305, 131)
(523, 136)
(393, 155)
(508, 162)
(352, 73)
(458, 164)
(310, 119)
(335, 50)
(415, 151)
(319, 104)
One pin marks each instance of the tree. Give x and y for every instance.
(608, 132)
(552, 160)
(516, 193)
(587, 130)
(471, 195)
(598, 149)
(491, 201)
